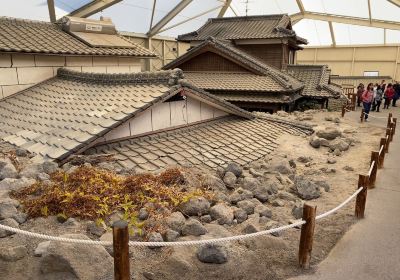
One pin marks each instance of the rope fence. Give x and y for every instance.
(121, 241)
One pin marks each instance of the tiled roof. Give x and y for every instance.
(258, 97)
(27, 36)
(60, 116)
(316, 80)
(277, 78)
(211, 144)
(250, 27)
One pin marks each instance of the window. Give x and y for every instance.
(291, 56)
(371, 73)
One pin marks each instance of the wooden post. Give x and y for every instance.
(389, 119)
(362, 115)
(343, 110)
(372, 177)
(307, 235)
(354, 101)
(394, 125)
(362, 196)
(382, 155)
(121, 250)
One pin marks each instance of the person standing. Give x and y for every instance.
(378, 97)
(388, 96)
(360, 90)
(367, 98)
(374, 99)
(396, 96)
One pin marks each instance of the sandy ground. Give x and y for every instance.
(265, 258)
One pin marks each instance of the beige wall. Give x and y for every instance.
(165, 115)
(20, 71)
(354, 60)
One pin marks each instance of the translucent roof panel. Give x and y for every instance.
(64, 7)
(393, 36)
(351, 34)
(384, 10)
(316, 32)
(265, 7)
(33, 9)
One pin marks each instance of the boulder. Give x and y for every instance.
(255, 173)
(49, 167)
(348, 168)
(12, 254)
(75, 261)
(94, 229)
(277, 203)
(306, 189)
(339, 144)
(214, 182)
(20, 217)
(176, 221)
(315, 142)
(252, 224)
(143, 214)
(329, 133)
(282, 167)
(7, 169)
(229, 179)
(43, 176)
(21, 152)
(212, 253)
(41, 248)
(263, 192)
(171, 235)
(263, 211)
(331, 160)
(8, 222)
(324, 185)
(196, 206)
(234, 168)
(11, 184)
(155, 237)
(247, 206)
(193, 227)
(32, 170)
(206, 219)
(222, 213)
(304, 159)
(240, 215)
(286, 196)
(7, 210)
(250, 183)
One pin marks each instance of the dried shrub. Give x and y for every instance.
(91, 193)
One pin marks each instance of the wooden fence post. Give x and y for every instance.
(389, 119)
(372, 177)
(307, 235)
(382, 155)
(353, 101)
(362, 115)
(362, 196)
(394, 125)
(391, 127)
(343, 110)
(121, 250)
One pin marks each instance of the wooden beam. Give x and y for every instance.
(332, 34)
(224, 8)
(93, 8)
(369, 11)
(301, 6)
(168, 17)
(152, 13)
(346, 20)
(395, 2)
(52, 11)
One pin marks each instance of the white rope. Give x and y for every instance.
(176, 243)
(340, 205)
(380, 151)
(369, 115)
(371, 167)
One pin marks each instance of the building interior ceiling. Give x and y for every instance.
(322, 22)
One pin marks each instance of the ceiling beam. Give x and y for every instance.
(301, 6)
(168, 17)
(52, 11)
(224, 8)
(332, 34)
(369, 11)
(347, 20)
(93, 7)
(152, 13)
(395, 2)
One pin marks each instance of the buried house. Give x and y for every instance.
(249, 61)
(32, 51)
(147, 120)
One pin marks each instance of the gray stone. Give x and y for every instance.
(340, 145)
(219, 197)
(255, 173)
(7, 210)
(176, 221)
(149, 275)
(196, 206)
(193, 227)
(273, 224)
(304, 159)
(20, 217)
(250, 183)
(329, 133)
(206, 219)
(348, 168)
(263, 210)
(324, 185)
(329, 118)
(8, 222)
(43, 176)
(41, 248)
(11, 184)
(12, 254)
(7, 169)
(278, 203)
(171, 235)
(72, 261)
(292, 164)
(331, 160)
(263, 192)
(143, 214)
(49, 167)
(21, 152)
(286, 196)
(94, 229)
(214, 182)
(212, 253)
(72, 222)
(235, 197)
(252, 224)
(324, 143)
(220, 172)
(222, 213)
(155, 237)
(234, 168)
(240, 215)
(247, 206)
(315, 142)
(282, 167)
(306, 189)
(32, 170)
(297, 211)
(229, 179)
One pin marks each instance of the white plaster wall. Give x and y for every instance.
(20, 71)
(165, 115)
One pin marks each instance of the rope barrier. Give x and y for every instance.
(371, 167)
(381, 149)
(176, 243)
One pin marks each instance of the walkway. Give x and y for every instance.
(370, 250)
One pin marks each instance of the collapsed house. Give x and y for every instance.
(148, 120)
(32, 51)
(249, 61)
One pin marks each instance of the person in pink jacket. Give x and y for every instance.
(367, 98)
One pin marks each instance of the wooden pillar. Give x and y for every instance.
(382, 155)
(372, 176)
(394, 125)
(362, 196)
(389, 119)
(121, 250)
(343, 110)
(354, 101)
(362, 115)
(307, 235)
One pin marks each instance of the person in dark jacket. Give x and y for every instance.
(396, 96)
(378, 98)
(388, 96)
(360, 91)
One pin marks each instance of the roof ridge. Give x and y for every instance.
(21, 20)
(169, 77)
(253, 17)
